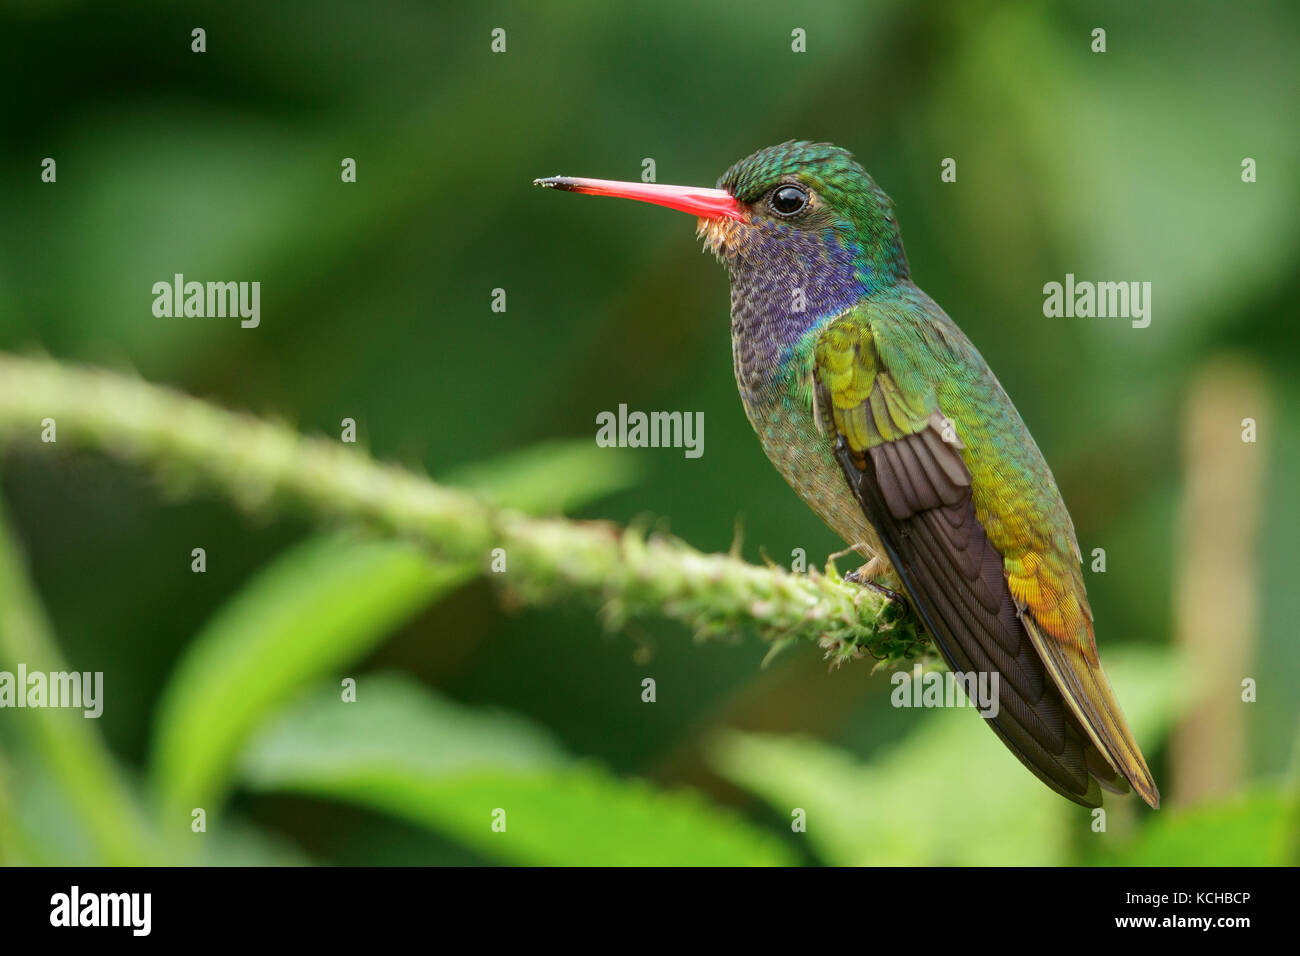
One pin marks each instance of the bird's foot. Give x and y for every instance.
(866, 576)
(879, 588)
(897, 635)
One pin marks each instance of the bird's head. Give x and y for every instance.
(796, 209)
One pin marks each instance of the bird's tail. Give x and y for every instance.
(1083, 684)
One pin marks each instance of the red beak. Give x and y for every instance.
(705, 203)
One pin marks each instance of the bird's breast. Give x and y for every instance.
(789, 437)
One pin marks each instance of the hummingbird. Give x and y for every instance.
(883, 416)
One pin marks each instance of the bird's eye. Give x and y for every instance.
(788, 200)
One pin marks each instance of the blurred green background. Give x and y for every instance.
(376, 305)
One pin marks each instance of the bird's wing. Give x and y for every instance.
(908, 467)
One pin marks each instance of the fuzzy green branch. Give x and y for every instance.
(188, 442)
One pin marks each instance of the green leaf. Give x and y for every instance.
(42, 825)
(403, 751)
(83, 772)
(949, 794)
(320, 607)
(238, 843)
(1256, 828)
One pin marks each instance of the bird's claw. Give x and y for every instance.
(861, 576)
(856, 576)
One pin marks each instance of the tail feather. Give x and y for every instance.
(1088, 693)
